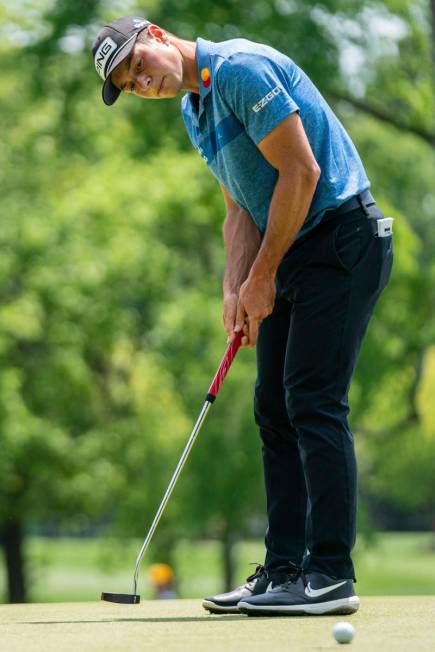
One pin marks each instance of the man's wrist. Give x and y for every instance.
(232, 291)
(263, 267)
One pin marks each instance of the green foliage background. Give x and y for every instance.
(111, 261)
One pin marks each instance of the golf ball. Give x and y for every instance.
(343, 632)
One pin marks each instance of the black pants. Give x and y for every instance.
(327, 287)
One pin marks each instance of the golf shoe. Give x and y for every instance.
(306, 592)
(256, 584)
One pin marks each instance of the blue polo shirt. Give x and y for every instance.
(246, 90)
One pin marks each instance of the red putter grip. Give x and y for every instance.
(224, 367)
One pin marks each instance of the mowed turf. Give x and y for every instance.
(383, 623)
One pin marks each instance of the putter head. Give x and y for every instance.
(122, 598)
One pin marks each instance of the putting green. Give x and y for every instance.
(382, 623)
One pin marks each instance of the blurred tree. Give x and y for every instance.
(81, 404)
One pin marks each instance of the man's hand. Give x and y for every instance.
(256, 301)
(230, 314)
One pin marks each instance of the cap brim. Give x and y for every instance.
(110, 91)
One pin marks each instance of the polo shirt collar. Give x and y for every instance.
(205, 71)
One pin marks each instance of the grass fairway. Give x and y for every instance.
(383, 623)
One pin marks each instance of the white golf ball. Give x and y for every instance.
(343, 632)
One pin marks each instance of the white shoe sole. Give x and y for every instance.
(219, 609)
(343, 606)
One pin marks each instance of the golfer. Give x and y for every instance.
(308, 254)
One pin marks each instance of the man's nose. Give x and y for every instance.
(143, 81)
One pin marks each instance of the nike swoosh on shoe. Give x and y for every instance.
(315, 593)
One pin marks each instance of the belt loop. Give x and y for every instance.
(363, 206)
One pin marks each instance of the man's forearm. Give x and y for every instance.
(242, 241)
(288, 209)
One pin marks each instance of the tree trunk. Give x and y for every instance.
(12, 541)
(228, 557)
(432, 12)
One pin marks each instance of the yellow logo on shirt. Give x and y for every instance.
(206, 77)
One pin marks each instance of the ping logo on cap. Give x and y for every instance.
(103, 54)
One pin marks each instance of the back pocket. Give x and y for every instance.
(350, 242)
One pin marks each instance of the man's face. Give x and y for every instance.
(153, 70)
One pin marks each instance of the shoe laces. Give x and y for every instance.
(259, 570)
(296, 573)
(290, 570)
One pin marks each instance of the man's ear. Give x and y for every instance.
(158, 33)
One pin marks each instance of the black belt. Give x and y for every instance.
(363, 200)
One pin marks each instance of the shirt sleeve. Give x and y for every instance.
(255, 90)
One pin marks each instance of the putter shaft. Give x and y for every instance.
(191, 441)
(217, 381)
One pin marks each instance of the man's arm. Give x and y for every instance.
(242, 241)
(287, 149)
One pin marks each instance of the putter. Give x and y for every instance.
(230, 354)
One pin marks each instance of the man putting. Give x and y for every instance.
(308, 254)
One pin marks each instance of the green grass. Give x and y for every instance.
(65, 570)
(397, 624)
